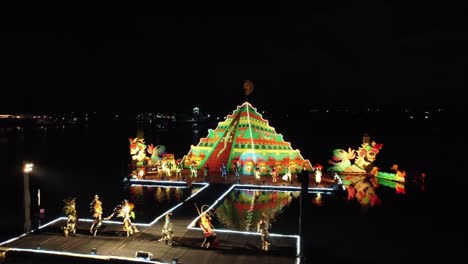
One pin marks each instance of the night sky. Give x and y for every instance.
(348, 53)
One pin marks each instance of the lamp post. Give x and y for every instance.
(27, 197)
(304, 178)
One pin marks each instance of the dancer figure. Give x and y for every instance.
(262, 227)
(223, 170)
(237, 171)
(125, 211)
(274, 175)
(179, 167)
(96, 211)
(288, 175)
(70, 210)
(257, 174)
(206, 172)
(167, 234)
(160, 170)
(168, 169)
(193, 170)
(318, 176)
(207, 227)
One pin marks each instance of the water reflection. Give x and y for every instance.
(364, 189)
(152, 201)
(242, 209)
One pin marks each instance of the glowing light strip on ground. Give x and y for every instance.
(282, 188)
(69, 254)
(173, 208)
(277, 190)
(251, 135)
(198, 183)
(157, 182)
(167, 186)
(13, 239)
(42, 226)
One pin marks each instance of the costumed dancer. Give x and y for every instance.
(193, 170)
(178, 169)
(207, 227)
(237, 171)
(257, 174)
(160, 169)
(168, 169)
(262, 227)
(70, 210)
(288, 175)
(206, 172)
(96, 211)
(167, 233)
(125, 211)
(274, 175)
(223, 170)
(318, 175)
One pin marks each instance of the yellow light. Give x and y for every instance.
(28, 167)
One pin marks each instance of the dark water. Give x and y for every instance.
(152, 201)
(86, 159)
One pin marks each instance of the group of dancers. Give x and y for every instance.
(123, 210)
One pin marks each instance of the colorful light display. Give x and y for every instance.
(364, 158)
(245, 137)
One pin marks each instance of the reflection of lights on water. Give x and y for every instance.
(317, 200)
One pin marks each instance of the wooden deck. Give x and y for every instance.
(47, 244)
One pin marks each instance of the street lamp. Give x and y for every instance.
(28, 167)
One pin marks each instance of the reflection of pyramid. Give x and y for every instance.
(246, 137)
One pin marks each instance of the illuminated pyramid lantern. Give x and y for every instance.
(245, 138)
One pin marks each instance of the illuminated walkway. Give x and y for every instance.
(112, 246)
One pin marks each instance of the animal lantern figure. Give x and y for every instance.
(363, 161)
(341, 159)
(156, 153)
(125, 211)
(70, 211)
(96, 211)
(138, 151)
(206, 226)
(366, 155)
